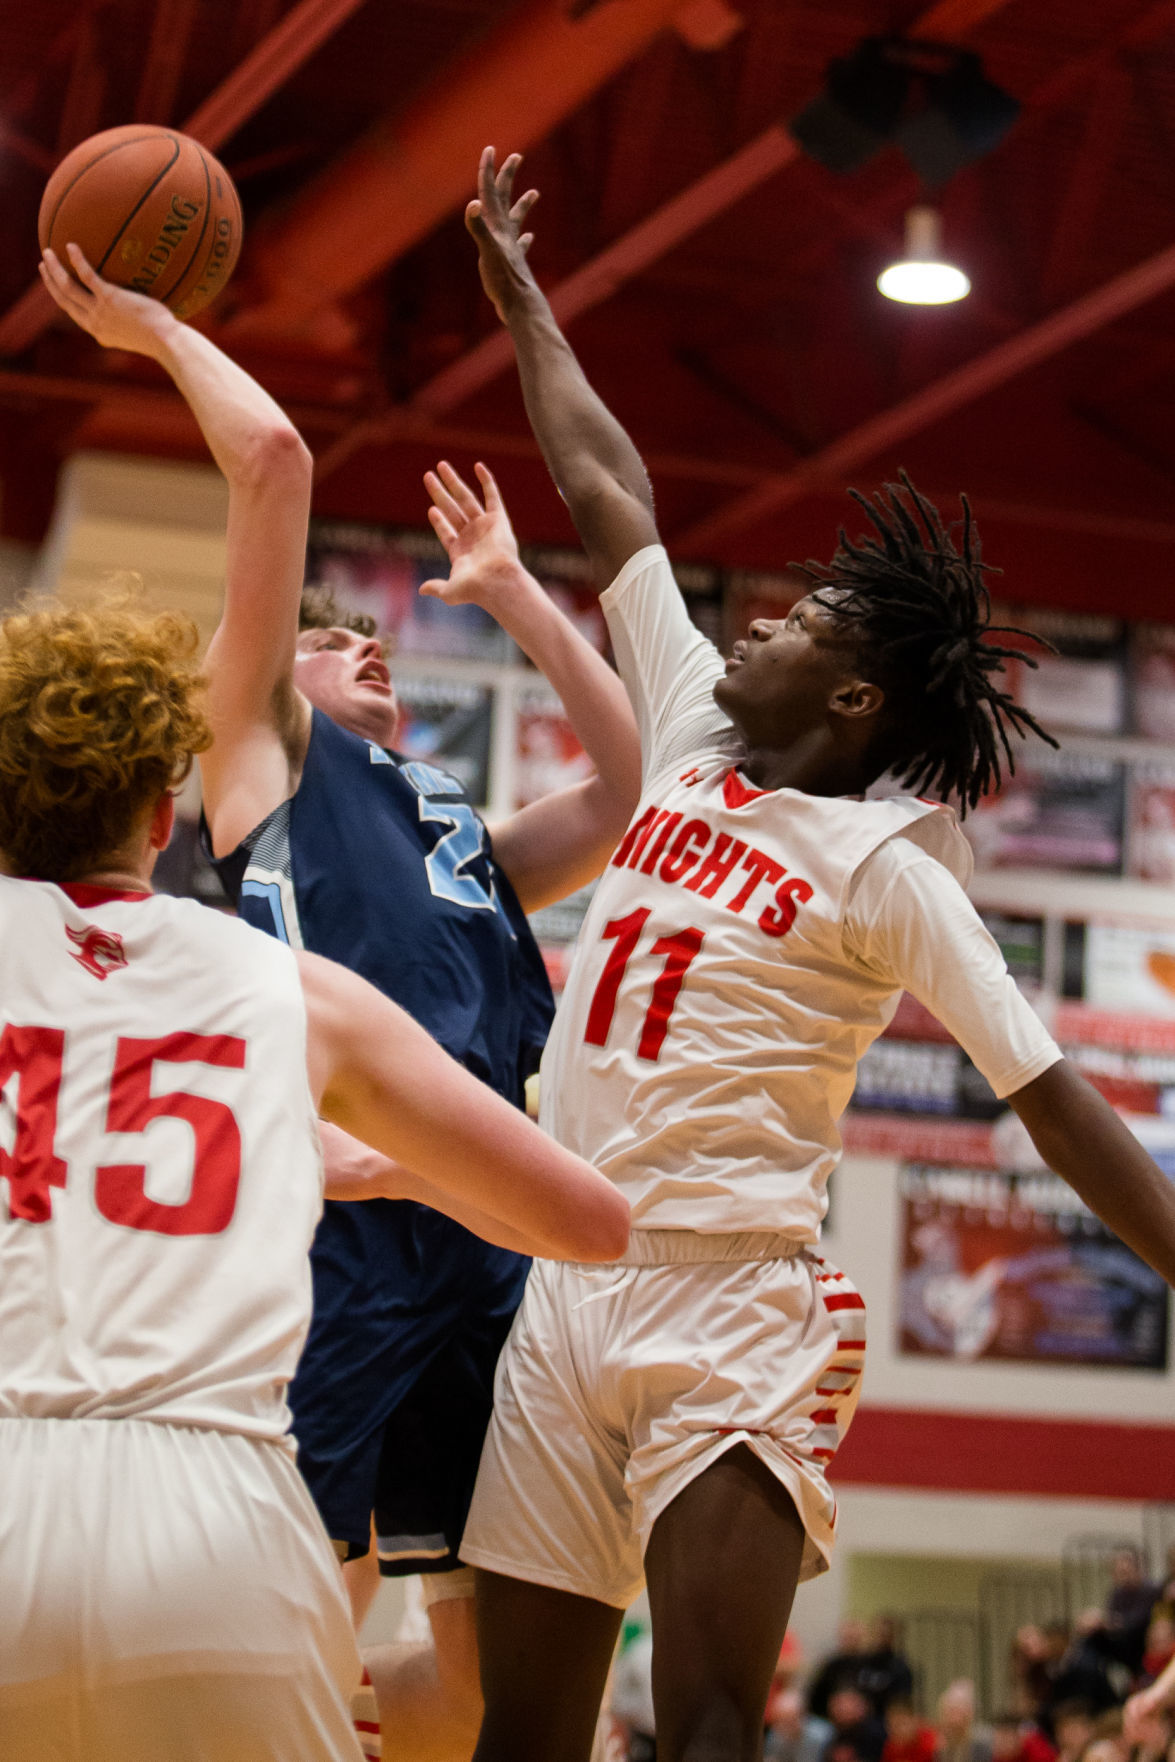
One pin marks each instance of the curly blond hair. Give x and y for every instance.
(100, 713)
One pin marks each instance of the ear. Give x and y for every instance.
(857, 699)
(162, 821)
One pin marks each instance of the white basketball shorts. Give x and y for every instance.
(167, 1592)
(621, 1384)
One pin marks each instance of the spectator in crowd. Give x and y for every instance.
(907, 1737)
(1073, 1729)
(1109, 1743)
(1128, 1607)
(960, 1739)
(1034, 1651)
(857, 1733)
(1160, 1642)
(793, 1735)
(1167, 1593)
(884, 1674)
(841, 1668)
(1016, 1739)
(1086, 1669)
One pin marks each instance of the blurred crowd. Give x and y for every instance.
(1101, 1689)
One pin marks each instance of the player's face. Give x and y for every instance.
(781, 677)
(346, 677)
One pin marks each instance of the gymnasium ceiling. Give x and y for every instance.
(718, 285)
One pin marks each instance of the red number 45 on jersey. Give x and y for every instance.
(35, 1057)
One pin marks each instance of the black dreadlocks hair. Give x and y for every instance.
(922, 612)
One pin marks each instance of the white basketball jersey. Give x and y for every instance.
(708, 1038)
(160, 1174)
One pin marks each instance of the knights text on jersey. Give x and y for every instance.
(160, 1174)
(708, 1038)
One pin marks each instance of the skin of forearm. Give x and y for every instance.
(241, 423)
(1082, 1139)
(580, 438)
(355, 1172)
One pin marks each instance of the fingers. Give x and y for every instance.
(489, 488)
(460, 491)
(523, 206)
(444, 502)
(486, 185)
(64, 290)
(442, 526)
(504, 182)
(82, 269)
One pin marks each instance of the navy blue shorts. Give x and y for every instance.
(394, 1389)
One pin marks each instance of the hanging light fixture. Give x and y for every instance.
(923, 278)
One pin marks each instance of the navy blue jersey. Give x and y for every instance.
(380, 863)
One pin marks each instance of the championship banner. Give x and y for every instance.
(547, 755)
(448, 721)
(371, 570)
(1014, 1268)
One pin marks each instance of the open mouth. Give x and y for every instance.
(374, 673)
(737, 656)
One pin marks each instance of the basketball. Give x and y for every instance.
(151, 209)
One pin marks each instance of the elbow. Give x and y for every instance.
(277, 457)
(601, 1231)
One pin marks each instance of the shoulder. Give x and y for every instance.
(651, 564)
(904, 826)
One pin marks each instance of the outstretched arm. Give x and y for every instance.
(378, 1075)
(555, 845)
(355, 1171)
(258, 720)
(1082, 1139)
(596, 468)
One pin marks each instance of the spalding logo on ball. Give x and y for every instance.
(151, 209)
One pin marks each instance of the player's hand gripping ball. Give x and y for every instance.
(151, 209)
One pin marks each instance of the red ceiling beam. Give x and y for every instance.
(163, 67)
(644, 244)
(416, 165)
(943, 398)
(268, 65)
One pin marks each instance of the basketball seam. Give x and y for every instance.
(149, 191)
(89, 166)
(203, 229)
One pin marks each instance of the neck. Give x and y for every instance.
(115, 879)
(806, 764)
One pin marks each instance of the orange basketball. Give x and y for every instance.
(151, 209)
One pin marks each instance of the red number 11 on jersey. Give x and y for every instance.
(679, 950)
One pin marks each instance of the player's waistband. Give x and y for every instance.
(672, 1247)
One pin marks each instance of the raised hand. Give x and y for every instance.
(116, 317)
(478, 537)
(496, 220)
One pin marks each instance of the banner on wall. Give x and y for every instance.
(1151, 843)
(547, 755)
(1058, 810)
(1153, 680)
(1014, 1268)
(448, 721)
(1130, 969)
(379, 573)
(1083, 686)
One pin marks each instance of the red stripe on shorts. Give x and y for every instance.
(844, 1300)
